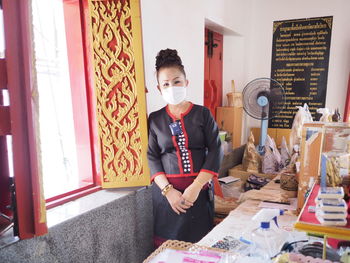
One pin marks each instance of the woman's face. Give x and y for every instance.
(171, 76)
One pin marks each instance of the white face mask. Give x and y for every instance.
(174, 94)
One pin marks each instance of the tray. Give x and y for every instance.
(180, 245)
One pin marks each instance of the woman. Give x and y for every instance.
(184, 153)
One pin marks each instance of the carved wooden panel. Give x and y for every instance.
(120, 92)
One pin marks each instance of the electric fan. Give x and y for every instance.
(263, 99)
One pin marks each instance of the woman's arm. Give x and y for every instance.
(154, 155)
(192, 191)
(173, 196)
(212, 161)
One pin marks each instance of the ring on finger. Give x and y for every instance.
(183, 201)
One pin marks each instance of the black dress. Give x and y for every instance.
(195, 147)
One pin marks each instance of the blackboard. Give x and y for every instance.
(300, 56)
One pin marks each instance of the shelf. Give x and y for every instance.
(308, 222)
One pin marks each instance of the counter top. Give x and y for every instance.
(238, 222)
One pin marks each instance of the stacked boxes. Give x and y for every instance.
(331, 209)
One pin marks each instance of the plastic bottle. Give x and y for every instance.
(264, 215)
(268, 214)
(267, 239)
(267, 235)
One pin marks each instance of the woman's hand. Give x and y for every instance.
(191, 193)
(176, 201)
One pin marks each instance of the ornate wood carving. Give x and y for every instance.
(120, 92)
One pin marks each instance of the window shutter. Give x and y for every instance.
(120, 92)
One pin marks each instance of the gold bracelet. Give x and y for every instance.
(166, 189)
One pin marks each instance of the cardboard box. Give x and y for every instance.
(274, 133)
(230, 119)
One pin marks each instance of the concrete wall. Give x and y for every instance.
(120, 231)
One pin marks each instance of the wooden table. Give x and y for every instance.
(239, 220)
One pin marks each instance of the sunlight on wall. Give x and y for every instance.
(58, 151)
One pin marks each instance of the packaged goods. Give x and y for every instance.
(251, 158)
(337, 168)
(331, 222)
(331, 214)
(326, 115)
(203, 256)
(332, 205)
(331, 193)
(303, 115)
(269, 162)
(270, 142)
(285, 155)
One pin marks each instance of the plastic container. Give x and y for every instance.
(222, 135)
(331, 192)
(268, 239)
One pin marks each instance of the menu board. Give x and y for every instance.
(300, 56)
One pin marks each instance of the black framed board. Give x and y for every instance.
(300, 58)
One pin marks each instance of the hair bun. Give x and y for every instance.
(168, 57)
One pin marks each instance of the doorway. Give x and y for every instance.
(213, 70)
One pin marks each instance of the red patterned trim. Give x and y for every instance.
(169, 113)
(155, 175)
(181, 175)
(182, 114)
(208, 171)
(174, 141)
(187, 111)
(185, 134)
(182, 182)
(186, 140)
(178, 155)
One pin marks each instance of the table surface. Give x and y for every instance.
(238, 222)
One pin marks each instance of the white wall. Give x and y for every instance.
(259, 41)
(247, 29)
(181, 26)
(178, 26)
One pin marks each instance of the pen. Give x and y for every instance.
(275, 202)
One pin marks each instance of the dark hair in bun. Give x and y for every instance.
(167, 58)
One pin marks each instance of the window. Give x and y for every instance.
(66, 137)
(52, 107)
(61, 90)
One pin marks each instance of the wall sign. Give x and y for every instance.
(300, 56)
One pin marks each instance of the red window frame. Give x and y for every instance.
(19, 75)
(17, 55)
(76, 15)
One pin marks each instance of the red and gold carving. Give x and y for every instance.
(120, 92)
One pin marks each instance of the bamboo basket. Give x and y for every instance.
(180, 245)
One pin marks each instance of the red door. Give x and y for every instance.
(213, 70)
(347, 105)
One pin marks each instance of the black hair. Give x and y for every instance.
(168, 58)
